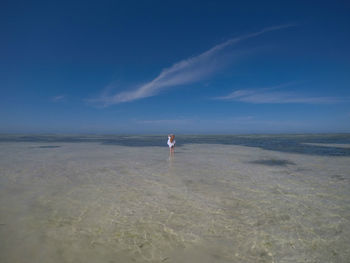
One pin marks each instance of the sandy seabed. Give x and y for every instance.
(89, 202)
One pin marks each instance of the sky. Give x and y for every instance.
(186, 67)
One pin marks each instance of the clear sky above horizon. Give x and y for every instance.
(151, 67)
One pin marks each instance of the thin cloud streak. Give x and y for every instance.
(165, 121)
(269, 95)
(58, 98)
(186, 71)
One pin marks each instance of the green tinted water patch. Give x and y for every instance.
(273, 162)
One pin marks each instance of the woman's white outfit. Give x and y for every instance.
(171, 144)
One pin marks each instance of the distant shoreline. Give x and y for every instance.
(338, 145)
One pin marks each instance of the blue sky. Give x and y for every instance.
(152, 67)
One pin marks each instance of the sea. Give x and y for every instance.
(217, 198)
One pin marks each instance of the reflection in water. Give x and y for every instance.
(171, 160)
(171, 154)
(90, 202)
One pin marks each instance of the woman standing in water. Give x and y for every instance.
(171, 142)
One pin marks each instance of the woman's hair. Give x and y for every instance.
(172, 137)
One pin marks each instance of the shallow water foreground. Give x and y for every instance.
(92, 202)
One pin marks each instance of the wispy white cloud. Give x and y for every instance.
(185, 71)
(277, 96)
(165, 121)
(58, 98)
(221, 124)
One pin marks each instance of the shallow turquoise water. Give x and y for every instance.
(125, 199)
(315, 144)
